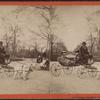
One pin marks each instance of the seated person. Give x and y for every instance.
(45, 62)
(39, 59)
(2, 53)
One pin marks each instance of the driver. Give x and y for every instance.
(2, 53)
(63, 54)
(83, 54)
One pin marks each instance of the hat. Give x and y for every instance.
(84, 43)
(1, 42)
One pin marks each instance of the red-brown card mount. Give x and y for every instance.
(49, 96)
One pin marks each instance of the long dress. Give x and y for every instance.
(2, 55)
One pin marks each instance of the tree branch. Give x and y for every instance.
(38, 34)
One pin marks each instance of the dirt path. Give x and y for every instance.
(44, 82)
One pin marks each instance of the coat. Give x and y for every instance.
(83, 55)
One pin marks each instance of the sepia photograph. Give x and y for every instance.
(49, 49)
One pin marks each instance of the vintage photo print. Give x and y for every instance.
(49, 49)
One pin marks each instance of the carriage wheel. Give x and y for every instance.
(9, 72)
(55, 70)
(92, 72)
(82, 73)
(2, 73)
(7, 61)
(90, 61)
(68, 70)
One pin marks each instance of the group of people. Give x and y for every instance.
(82, 54)
(82, 57)
(43, 61)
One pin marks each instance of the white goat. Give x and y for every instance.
(21, 70)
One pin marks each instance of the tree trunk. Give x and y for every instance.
(99, 42)
(14, 45)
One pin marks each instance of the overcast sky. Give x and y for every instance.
(72, 29)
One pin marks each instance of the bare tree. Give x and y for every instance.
(10, 36)
(49, 16)
(7, 36)
(91, 40)
(94, 27)
(7, 40)
(15, 29)
(46, 29)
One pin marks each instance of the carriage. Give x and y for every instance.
(5, 69)
(15, 69)
(69, 62)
